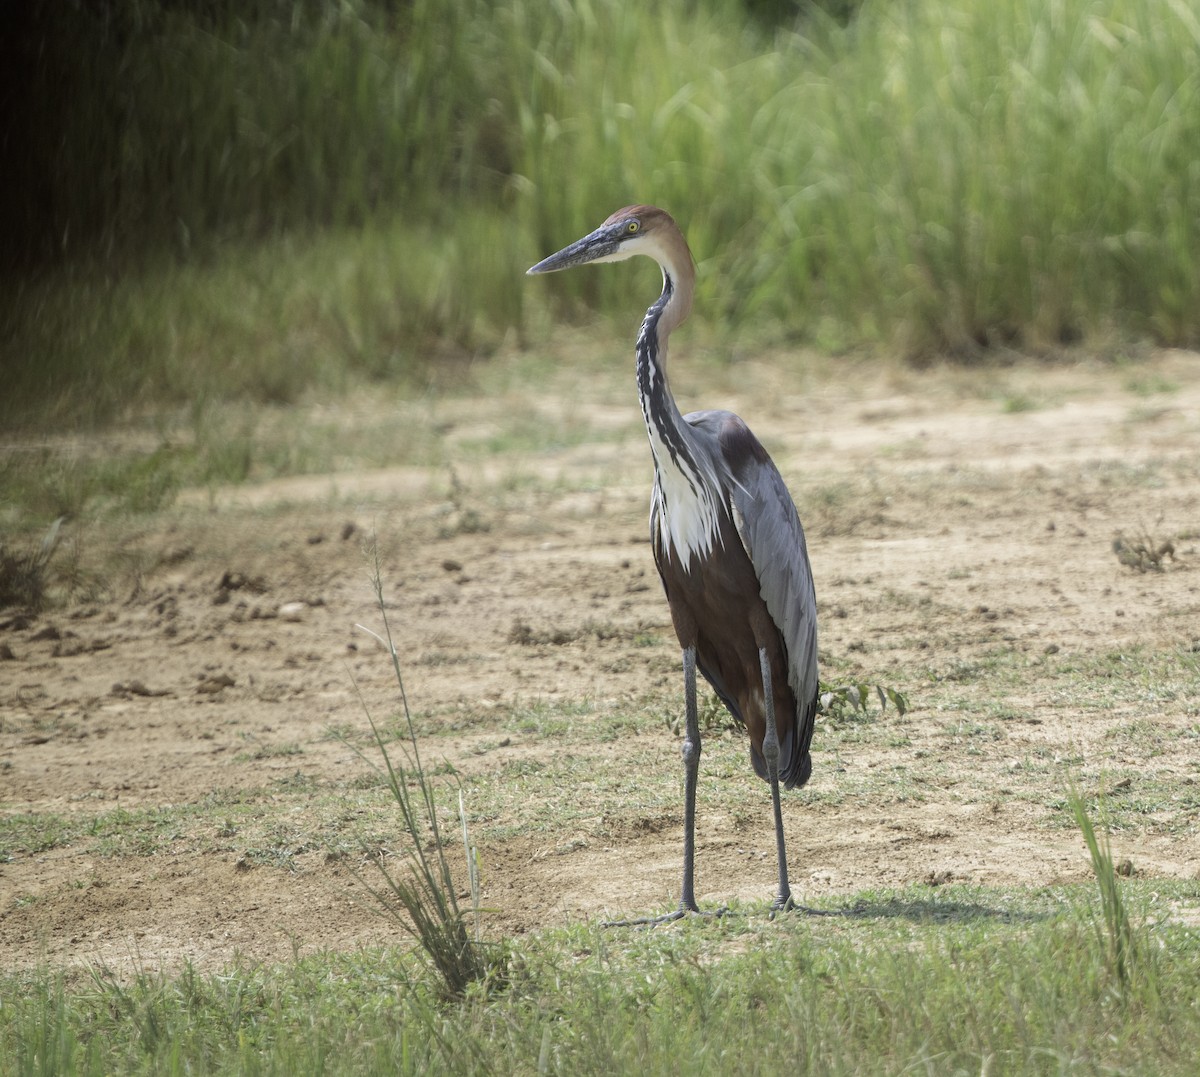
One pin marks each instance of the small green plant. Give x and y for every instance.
(843, 703)
(462, 518)
(1015, 403)
(852, 700)
(424, 901)
(1115, 932)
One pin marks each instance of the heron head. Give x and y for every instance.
(632, 230)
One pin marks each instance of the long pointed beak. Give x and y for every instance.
(597, 244)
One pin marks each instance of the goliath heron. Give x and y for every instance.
(728, 544)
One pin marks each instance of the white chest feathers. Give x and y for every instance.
(685, 507)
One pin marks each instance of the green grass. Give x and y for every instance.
(262, 321)
(953, 979)
(357, 194)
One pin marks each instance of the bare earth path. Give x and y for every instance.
(169, 782)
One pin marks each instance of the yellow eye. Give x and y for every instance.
(632, 227)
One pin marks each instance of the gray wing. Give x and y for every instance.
(769, 526)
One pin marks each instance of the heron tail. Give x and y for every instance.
(795, 762)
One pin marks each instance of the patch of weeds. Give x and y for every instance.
(522, 768)
(543, 726)
(131, 833)
(32, 834)
(712, 716)
(970, 729)
(1137, 801)
(462, 518)
(262, 751)
(842, 509)
(1148, 413)
(1144, 552)
(548, 719)
(297, 781)
(51, 482)
(445, 658)
(616, 726)
(441, 722)
(525, 635)
(1005, 712)
(961, 671)
(339, 731)
(23, 579)
(1151, 737)
(852, 702)
(279, 857)
(840, 704)
(1150, 384)
(1014, 403)
(1119, 474)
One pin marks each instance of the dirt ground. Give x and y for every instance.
(959, 522)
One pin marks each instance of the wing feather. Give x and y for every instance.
(769, 527)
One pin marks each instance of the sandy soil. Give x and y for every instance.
(955, 520)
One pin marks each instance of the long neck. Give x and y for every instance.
(663, 420)
(668, 312)
(685, 497)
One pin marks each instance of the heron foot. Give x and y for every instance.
(669, 917)
(782, 903)
(790, 904)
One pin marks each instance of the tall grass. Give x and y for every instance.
(1007, 171)
(1125, 953)
(172, 123)
(931, 175)
(423, 899)
(265, 322)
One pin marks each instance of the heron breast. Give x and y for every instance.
(686, 513)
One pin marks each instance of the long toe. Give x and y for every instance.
(668, 917)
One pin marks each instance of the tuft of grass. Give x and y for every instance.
(1144, 552)
(23, 579)
(424, 901)
(1125, 955)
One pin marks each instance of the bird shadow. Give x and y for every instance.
(928, 911)
(918, 910)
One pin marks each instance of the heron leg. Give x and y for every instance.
(770, 750)
(691, 770)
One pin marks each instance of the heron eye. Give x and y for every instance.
(632, 227)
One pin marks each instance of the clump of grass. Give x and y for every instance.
(23, 580)
(1144, 551)
(424, 900)
(1124, 954)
